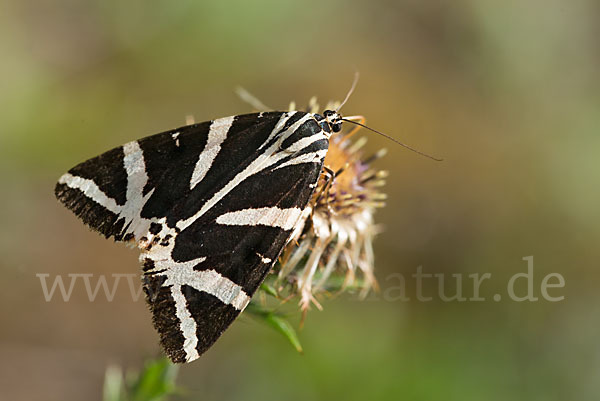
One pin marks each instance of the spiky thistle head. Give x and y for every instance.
(332, 248)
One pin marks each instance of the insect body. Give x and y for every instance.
(210, 205)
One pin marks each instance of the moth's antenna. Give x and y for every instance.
(251, 99)
(349, 92)
(393, 140)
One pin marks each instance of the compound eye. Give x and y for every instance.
(337, 127)
(328, 113)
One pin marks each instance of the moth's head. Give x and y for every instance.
(334, 119)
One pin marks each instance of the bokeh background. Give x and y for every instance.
(508, 93)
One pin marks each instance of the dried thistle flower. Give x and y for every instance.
(333, 243)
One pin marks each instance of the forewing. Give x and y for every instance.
(206, 262)
(211, 205)
(122, 191)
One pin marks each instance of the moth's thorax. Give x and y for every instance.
(325, 127)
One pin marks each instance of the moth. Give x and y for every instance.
(211, 207)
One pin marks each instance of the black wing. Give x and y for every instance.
(211, 205)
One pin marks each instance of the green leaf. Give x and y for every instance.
(269, 290)
(153, 383)
(276, 321)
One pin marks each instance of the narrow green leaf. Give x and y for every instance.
(276, 321)
(284, 327)
(269, 290)
(154, 382)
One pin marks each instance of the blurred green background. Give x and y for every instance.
(508, 93)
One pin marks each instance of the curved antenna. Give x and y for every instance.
(349, 92)
(393, 140)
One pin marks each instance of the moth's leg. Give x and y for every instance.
(332, 176)
(325, 190)
(341, 169)
(329, 175)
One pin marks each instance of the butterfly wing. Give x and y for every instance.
(211, 205)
